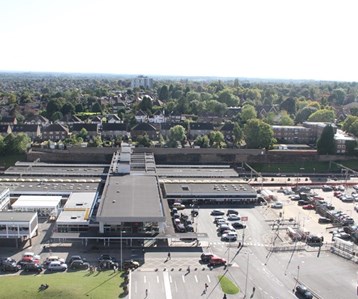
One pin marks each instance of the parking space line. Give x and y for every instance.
(145, 278)
(157, 278)
(196, 278)
(168, 293)
(176, 287)
(208, 278)
(170, 279)
(183, 278)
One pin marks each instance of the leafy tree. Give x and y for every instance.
(304, 113)
(163, 93)
(97, 107)
(83, 134)
(144, 140)
(217, 139)
(348, 122)
(202, 141)
(238, 134)
(338, 96)
(254, 94)
(146, 104)
(326, 144)
(322, 115)
(285, 119)
(258, 134)
(289, 105)
(56, 116)
(79, 108)
(53, 106)
(2, 145)
(248, 112)
(227, 97)
(353, 128)
(177, 134)
(16, 144)
(68, 108)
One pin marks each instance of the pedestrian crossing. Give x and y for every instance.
(235, 245)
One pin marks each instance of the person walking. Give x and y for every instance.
(146, 292)
(169, 257)
(206, 287)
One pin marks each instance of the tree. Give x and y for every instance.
(202, 141)
(322, 115)
(68, 108)
(289, 105)
(2, 145)
(304, 113)
(56, 116)
(338, 96)
(53, 106)
(353, 128)
(163, 93)
(217, 139)
(348, 122)
(146, 104)
(96, 107)
(248, 112)
(144, 140)
(326, 144)
(227, 97)
(177, 134)
(258, 134)
(237, 132)
(285, 119)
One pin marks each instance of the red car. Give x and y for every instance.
(308, 207)
(217, 261)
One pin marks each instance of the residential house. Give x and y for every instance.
(227, 130)
(8, 120)
(113, 119)
(97, 119)
(113, 130)
(33, 131)
(5, 130)
(92, 129)
(69, 120)
(199, 129)
(263, 110)
(157, 118)
(55, 132)
(37, 120)
(141, 116)
(145, 129)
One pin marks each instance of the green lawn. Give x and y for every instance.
(81, 284)
(228, 286)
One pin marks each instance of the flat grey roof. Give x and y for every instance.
(55, 170)
(208, 189)
(16, 216)
(131, 198)
(195, 171)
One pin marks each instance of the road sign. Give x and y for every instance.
(244, 218)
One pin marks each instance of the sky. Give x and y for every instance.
(270, 39)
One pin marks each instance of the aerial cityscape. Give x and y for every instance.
(183, 150)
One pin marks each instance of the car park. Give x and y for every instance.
(233, 217)
(277, 205)
(56, 266)
(217, 213)
(79, 265)
(303, 292)
(238, 225)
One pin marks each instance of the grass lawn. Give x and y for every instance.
(228, 286)
(80, 284)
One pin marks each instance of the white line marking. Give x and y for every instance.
(196, 278)
(168, 293)
(145, 279)
(157, 278)
(183, 278)
(170, 279)
(208, 278)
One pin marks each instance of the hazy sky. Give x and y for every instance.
(288, 39)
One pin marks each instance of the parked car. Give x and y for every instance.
(303, 292)
(327, 188)
(233, 217)
(216, 219)
(205, 257)
(27, 260)
(231, 236)
(324, 220)
(130, 264)
(232, 212)
(238, 225)
(53, 258)
(79, 265)
(277, 205)
(33, 267)
(75, 258)
(217, 261)
(217, 213)
(9, 265)
(303, 202)
(178, 206)
(56, 266)
(106, 257)
(308, 207)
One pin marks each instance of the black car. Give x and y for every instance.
(130, 264)
(232, 212)
(217, 213)
(303, 202)
(108, 264)
(33, 267)
(106, 257)
(9, 265)
(79, 265)
(238, 225)
(303, 292)
(324, 220)
(75, 258)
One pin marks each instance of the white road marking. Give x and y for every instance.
(168, 292)
(196, 278)
(157, 278)
(170, 279)
(145, 279)
(208, 278)
(183, 278)
(176, 287)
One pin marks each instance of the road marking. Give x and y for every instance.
(145, 279)
(168, 293)
(196, 278)
(176, 287)
(183, 278)
(208, 278)
(157, 278)
(170, 279)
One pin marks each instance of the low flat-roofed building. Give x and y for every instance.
(18, 225)
(195, 171)
(130, 202)
(208, 192)
(76, 212)
(4, 197)
(43, 205)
